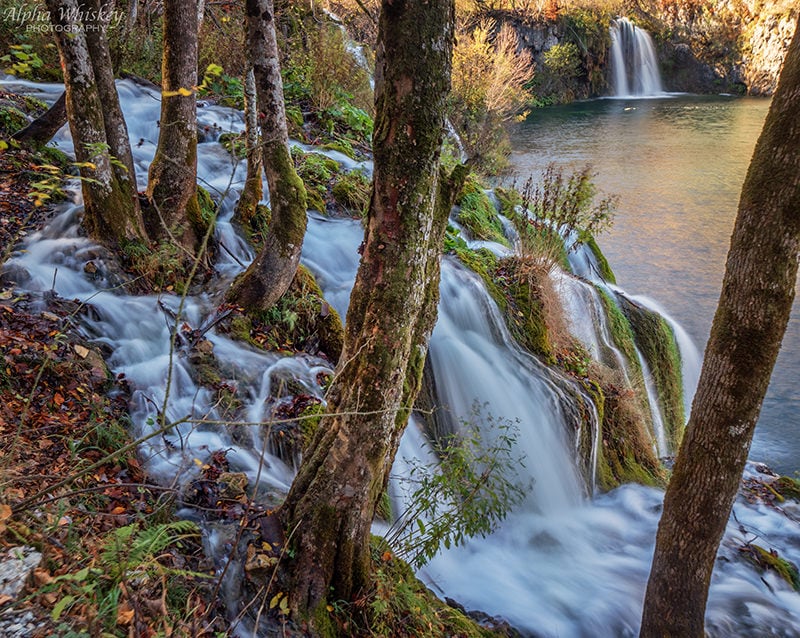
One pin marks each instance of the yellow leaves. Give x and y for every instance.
(281, 601)
(182, 91)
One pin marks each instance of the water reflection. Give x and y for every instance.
(678, 165)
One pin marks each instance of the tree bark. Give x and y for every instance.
(44, 127)
(273, 269)
(392, 311)
(172, 183)
(252, 192)
(110, 210)
(757, 294)
(115, 128)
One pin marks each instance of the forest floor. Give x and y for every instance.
(74, 502)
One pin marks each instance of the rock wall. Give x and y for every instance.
(765, 50)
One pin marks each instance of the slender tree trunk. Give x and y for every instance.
(392, 310)
(757, 294)
(44, 127)
(252, 191)
(172, 184)
(111, 212)
(116, 130)
(273, 269)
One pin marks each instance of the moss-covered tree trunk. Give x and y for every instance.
(111, 207)
(172, 185)
(273, 269)
(252, 191)
(392, 310)
(757, 294)
(116, 130)
(44, 127)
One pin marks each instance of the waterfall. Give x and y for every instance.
(633, 61)
(562, 564)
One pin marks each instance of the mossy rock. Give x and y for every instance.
(11, 119)
(317, 172)
(477, 213)
(656, 341)
(602, 263)
(525, 315)
(769, 559)
(626, 453)
(352, 191)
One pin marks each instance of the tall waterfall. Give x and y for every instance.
(633, 61)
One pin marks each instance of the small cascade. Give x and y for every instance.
(633, 61)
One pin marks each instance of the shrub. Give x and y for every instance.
(561, 208)
(489, 79)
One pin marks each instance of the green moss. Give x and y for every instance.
(310, 418)
(206, 213)
(602, 263)
(524, 312)
(384, 509)
(626, 452)
(509, 199)
(766, 559)
(317, 173)
(352, 190)
(621, 332)
(477, 213)
(656, 342)
(787, 487)
(400, 605)
(11, 120)
(341, 145)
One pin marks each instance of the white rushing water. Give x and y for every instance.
(634, 66)
(563, 564)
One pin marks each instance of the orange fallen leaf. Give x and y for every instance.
(124, 614)
(58, 399)
(5, 512)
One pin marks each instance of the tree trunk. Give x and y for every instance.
(757, 294)
(273, 269)
(116, 130)
(252, 192)
(44, 127)
(172, 184)
(392, 310)
(111, 212)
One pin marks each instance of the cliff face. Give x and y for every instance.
(765, 49)
(722, 45)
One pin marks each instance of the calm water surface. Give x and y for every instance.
(678, 165)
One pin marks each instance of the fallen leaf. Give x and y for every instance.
(58, 399)
(5, 512)
(81, 351)
(124, 614)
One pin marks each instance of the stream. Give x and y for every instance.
(566, 562)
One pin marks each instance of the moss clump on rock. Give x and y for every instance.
(602, 263)
(656, 342)
(301, 320)
(477, 213)
(351, 190)
(626, 452)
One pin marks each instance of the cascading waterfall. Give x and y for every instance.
(634, 66)
(561, 564)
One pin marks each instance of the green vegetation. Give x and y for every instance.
(657, 344)
(472, 490)
(766, 559)
(478, 214)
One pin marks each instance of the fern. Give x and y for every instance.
(132, 549)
